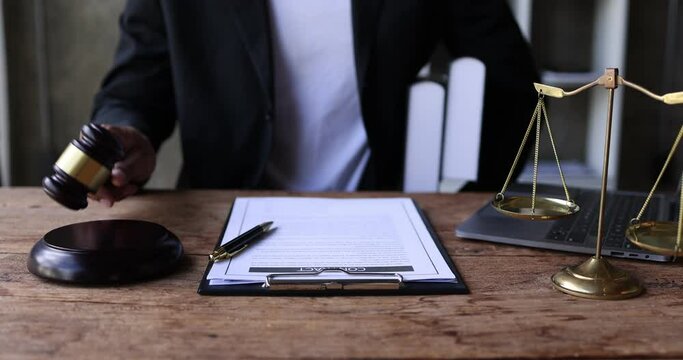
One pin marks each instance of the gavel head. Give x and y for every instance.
(83, 167)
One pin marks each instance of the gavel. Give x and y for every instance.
(84, 166)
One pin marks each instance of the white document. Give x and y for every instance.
(313, 234)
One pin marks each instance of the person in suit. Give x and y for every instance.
(299, 94)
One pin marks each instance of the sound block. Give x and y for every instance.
(105, 252)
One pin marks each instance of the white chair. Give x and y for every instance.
(444, 129)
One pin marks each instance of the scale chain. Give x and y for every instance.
(499, 196)
(659, 177)
(557, 158)
(539, 116)
(536, 152)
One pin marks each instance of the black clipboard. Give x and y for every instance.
(393, 285)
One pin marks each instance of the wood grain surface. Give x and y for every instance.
(512, 311)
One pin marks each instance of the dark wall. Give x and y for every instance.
(57, 53)
(655, 48)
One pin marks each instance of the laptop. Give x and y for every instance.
(575, 233)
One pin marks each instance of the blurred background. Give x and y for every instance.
(54, 53)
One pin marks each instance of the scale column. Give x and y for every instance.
(596, 278)
(610, 83)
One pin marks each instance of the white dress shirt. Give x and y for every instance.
(319, 140)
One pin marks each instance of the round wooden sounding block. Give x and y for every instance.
(105, 252)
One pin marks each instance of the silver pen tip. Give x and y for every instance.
(266, 226)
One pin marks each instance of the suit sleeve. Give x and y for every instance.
(138, 90)
(486, 30)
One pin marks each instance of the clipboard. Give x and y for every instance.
(301, 284)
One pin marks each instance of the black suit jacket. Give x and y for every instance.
(207, 64)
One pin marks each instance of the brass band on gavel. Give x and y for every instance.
(83, 167)
(86, 170)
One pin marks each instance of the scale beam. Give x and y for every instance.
(674, 98)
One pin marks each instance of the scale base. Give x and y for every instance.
(597, 279)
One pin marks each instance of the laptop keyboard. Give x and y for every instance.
(620, 210)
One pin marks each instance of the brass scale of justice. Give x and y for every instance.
(594, 278)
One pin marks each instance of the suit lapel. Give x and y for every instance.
(251, 17)
(365, 15)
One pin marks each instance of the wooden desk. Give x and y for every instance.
(512, 312)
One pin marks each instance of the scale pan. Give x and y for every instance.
(657, 236)
(546, 208)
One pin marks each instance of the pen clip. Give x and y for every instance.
(221, 254)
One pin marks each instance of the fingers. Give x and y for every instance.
(136, 166)
(108, 194)
(118, 177)
(134, 169)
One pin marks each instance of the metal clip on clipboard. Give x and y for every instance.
(364, 281)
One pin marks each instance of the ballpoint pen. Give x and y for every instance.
(236, 245)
